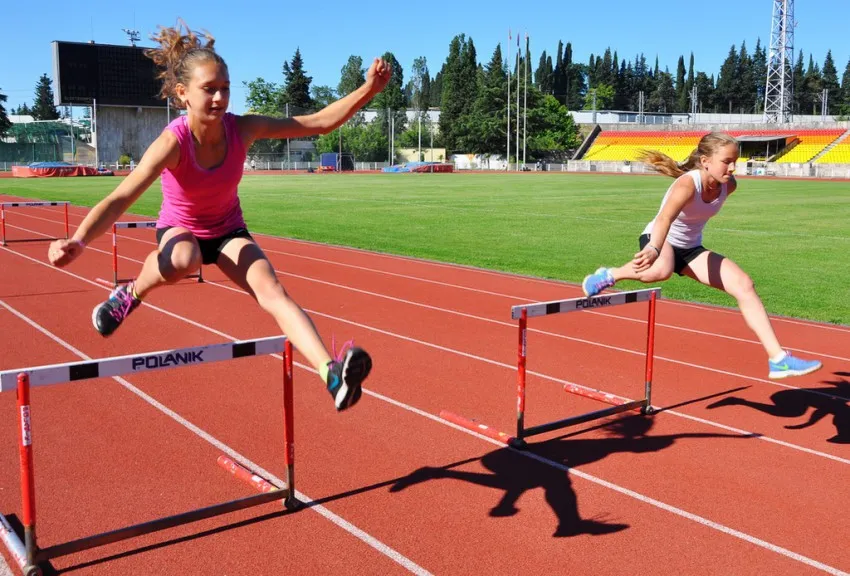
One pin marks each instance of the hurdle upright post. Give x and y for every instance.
(520, 376)
(2, 225)
(288, 427)
(67, 227)
(650, 353)
(114, 256)
(27, 477)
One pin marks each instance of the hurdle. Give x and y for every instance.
(618, 403)
(4, 205)
(144, 224)
(27, 553)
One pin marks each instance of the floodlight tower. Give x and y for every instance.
(780, 64)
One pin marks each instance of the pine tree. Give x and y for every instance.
(488, 119)
(845, 90)
(44, 108)
(681, 87)
(296, 88)
(352, 76)
(830, 82)
(5, 123)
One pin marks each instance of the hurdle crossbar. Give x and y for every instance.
(619, 404)
(141, 224)
(27, 554)
(4, 205)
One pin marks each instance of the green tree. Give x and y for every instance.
(663, 97)
(44, 108)
(322, 96)
(391, 98)
(543, 76)
(830, 82)
(759, 73)
(351, 76)
(296, 91)
(812, 86)
(435, 93)
(22, 110)
(802, 102)
(367, 142)
(744, 85)
(488, 120)
(681, 87)
(604, 94)
(845, 91)
(419, 80)
(726, 93)
(264, 98)
(460, 89)
(5, 123)
(551, 129)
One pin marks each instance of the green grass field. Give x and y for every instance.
(792, 237)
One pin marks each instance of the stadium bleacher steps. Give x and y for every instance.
(832, 145)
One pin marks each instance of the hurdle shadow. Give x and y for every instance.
(832, 400)
(49, 570)
(515, 475)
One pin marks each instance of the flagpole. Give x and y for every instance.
(508, 157)
(525, 103)
(517, 101)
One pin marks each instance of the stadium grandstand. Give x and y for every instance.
(826, 145)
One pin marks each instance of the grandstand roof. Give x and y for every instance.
(762, 138)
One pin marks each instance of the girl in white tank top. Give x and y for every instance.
(672, 242)
(686, 229)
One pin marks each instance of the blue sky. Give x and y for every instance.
(256, 37)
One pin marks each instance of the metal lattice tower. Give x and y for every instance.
(780, 64)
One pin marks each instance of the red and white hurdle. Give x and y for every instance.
(28, 554)
(4, 205)
(618, 403)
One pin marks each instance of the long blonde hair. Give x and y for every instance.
(178, 54)
(708, 145)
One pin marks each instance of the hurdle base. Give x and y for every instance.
(21, 240)
(125, 280)
(581, 419)
(14, 544)
(159, 524)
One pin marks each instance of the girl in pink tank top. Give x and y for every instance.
(200, 157)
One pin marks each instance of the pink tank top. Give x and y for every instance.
(203, 201)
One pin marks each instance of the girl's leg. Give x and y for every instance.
(177, 255)
(242, 260)
(604, 278)
(714, 270)
(660, 270)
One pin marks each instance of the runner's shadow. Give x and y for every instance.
(515, 474)
(795, 403)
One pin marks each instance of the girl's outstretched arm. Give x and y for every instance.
(326, 120)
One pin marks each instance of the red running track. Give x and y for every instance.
(696, 490)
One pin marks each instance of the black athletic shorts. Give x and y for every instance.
(210, 247)
(681, 256)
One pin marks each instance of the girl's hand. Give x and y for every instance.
(379, 75)
(645, 258)
(63, 252)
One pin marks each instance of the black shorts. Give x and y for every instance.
(681, 256)
(210, 247)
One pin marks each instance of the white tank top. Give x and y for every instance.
(686, 229)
